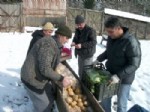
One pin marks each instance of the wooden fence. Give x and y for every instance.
(96, 20)
(11, 17)
(37, 12)
(14, 16)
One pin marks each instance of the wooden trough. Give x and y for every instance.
(61, 104)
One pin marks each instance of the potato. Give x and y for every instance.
(79, 100)
(69, 100)
(69, 106)
(85, 103)
(80, 104)
(71, 93)
(77, 91)
(70, 89)
(80, 96)
(75, 97)
(77, 109)
(73, 104)
(83, 109)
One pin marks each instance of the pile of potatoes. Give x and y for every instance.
(75, 100)
(73, 96)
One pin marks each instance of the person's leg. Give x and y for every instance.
(50, 90)
(88, 61)
(40, 102)
(106, 104)
(83, 62)
(123, 96)
(80, 66)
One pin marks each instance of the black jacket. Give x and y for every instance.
(38, 34)
(123, 56)
(87, 39)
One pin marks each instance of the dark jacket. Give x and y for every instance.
(123, 56)
(40, 64)
(38, 34)
(87, 39)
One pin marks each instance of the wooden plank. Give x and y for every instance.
(145, 33)
(148, 31)
(58, 12)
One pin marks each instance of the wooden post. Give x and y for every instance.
(136, 30)
(102, 21)
(21, 18)
(145, 33)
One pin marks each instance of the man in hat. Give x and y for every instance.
(38, 71)
(84, 42)
(47, 30)
(123, 55)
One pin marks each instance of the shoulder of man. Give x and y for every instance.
(38, 33)
(90, 29)
(132, 40)
(47, 41)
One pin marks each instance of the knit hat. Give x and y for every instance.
(79, 19)
(48, 26)
(65, 31)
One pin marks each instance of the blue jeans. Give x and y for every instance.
(123, 96)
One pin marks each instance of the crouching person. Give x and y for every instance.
(38, 71)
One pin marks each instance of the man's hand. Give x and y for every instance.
(73, 44)
(95, 63)
(66, 82)
(114, 79)
(78, 46)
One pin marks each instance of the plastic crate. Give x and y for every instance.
(103, 91)
(100, 90)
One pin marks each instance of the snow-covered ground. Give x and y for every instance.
(13, 97)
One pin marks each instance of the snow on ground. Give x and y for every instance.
(13, 97)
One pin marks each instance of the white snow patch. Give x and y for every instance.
(126, 15)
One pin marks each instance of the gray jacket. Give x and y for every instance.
(40, 64)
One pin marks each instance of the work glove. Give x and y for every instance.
(95, 63)
(114, 79)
